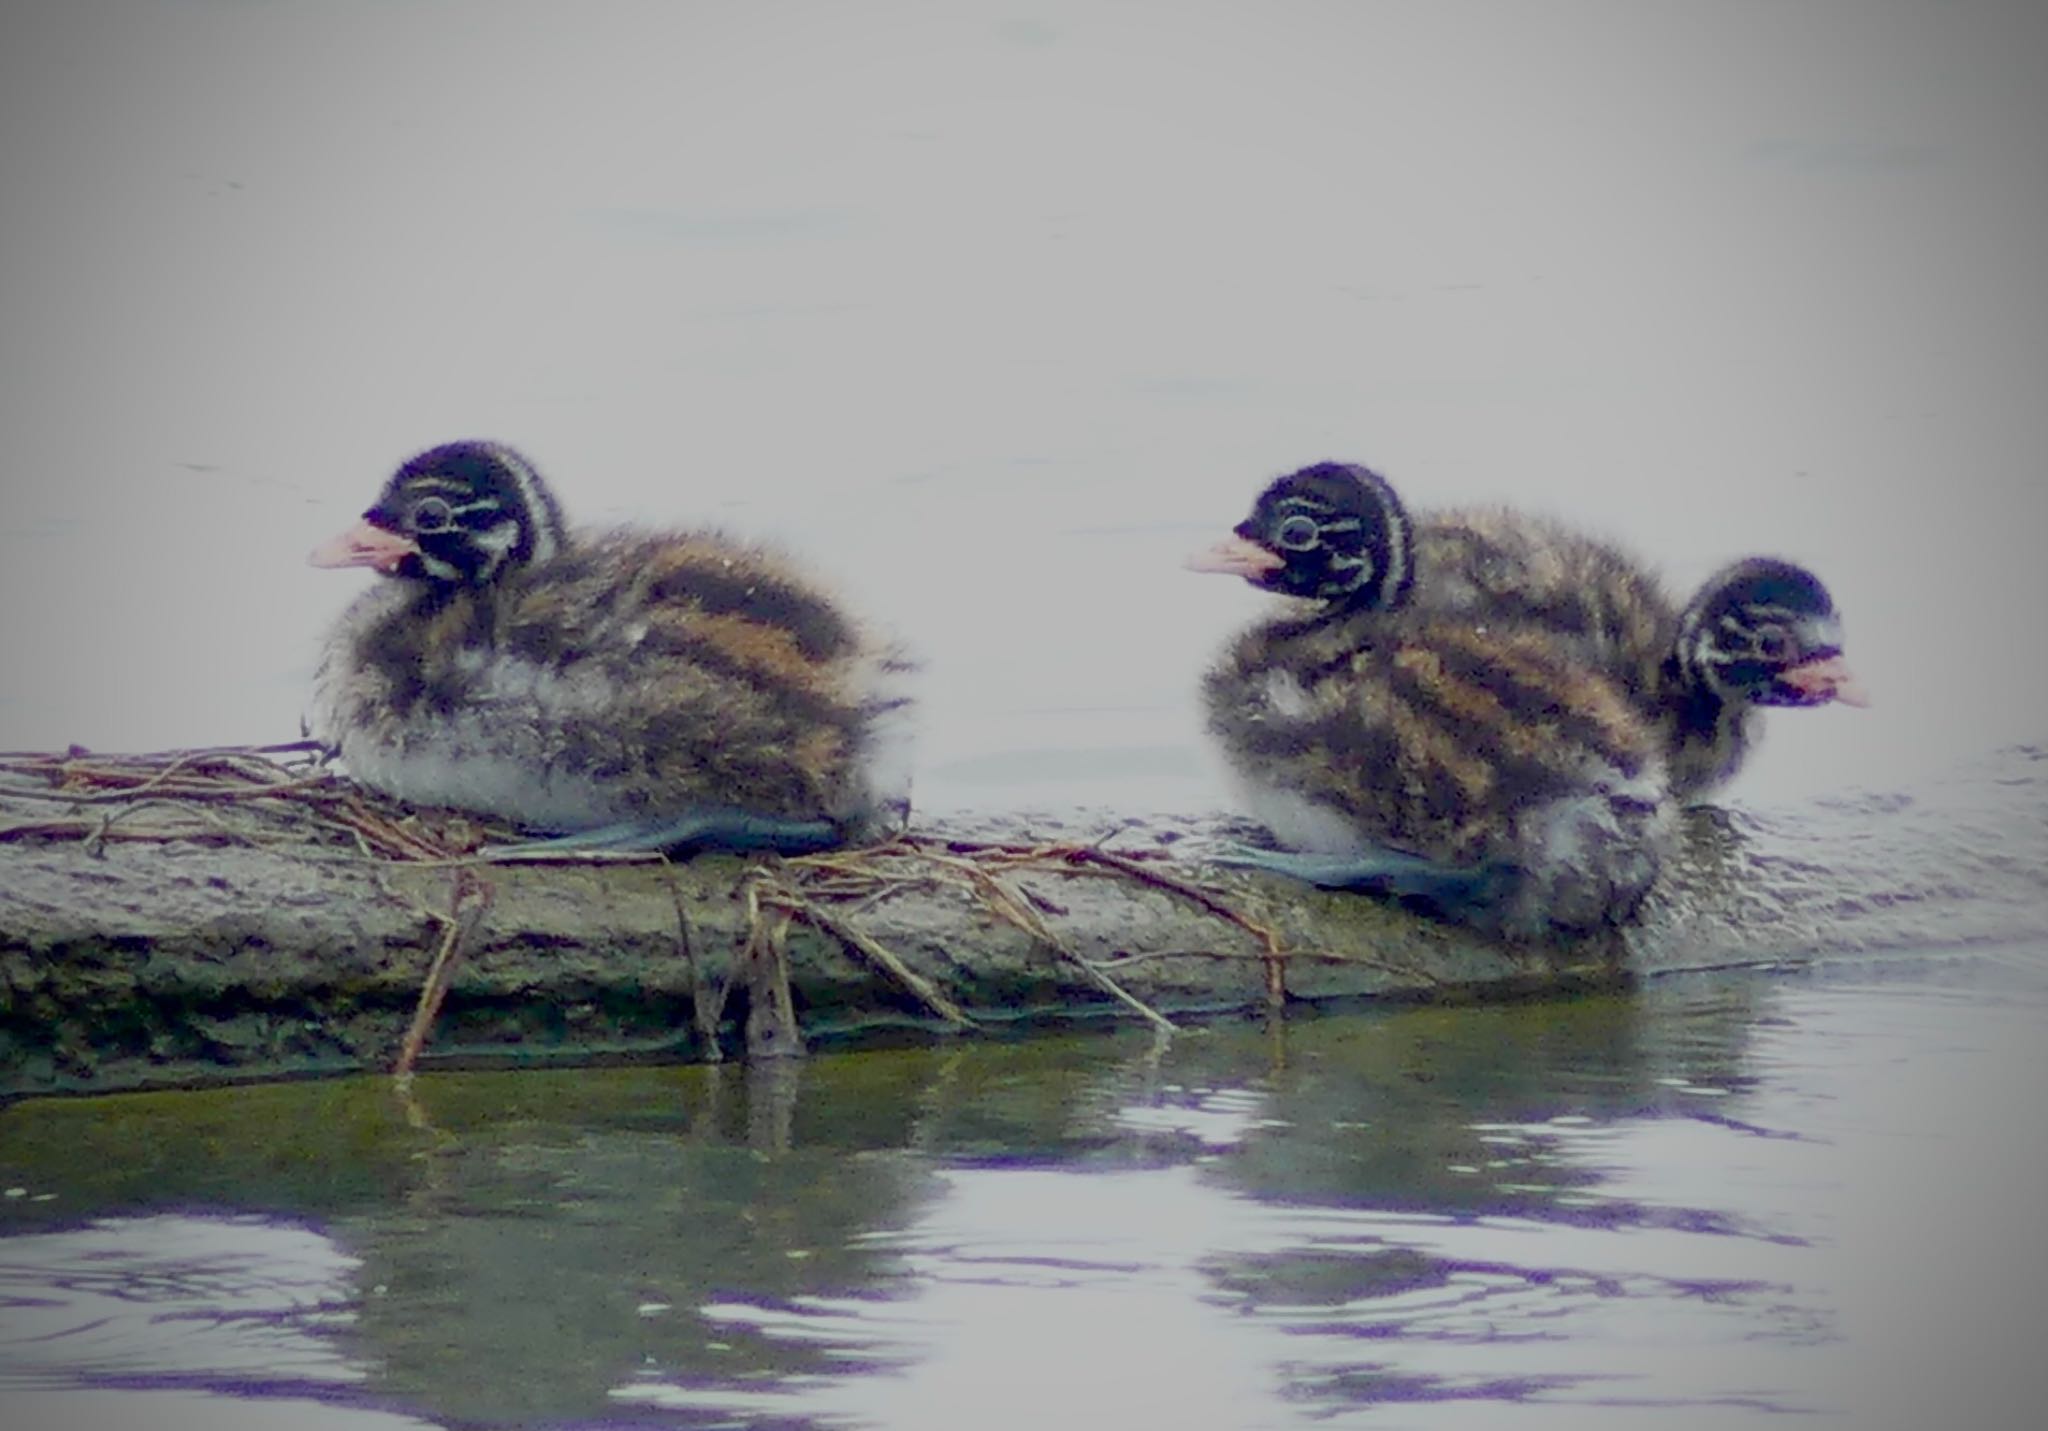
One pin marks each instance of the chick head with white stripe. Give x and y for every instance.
(1766, 632)
(1333, 532)
(461, 514)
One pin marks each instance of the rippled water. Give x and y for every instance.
(1716, 1202)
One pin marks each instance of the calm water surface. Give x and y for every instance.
(1724, 1200)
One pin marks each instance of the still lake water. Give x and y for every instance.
(994, 312)
(1717, 1202)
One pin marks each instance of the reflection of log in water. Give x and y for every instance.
(218, 914)
(653, 1203)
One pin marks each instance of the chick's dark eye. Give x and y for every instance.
(1298, 534)
(432, 515)
(1773, 644)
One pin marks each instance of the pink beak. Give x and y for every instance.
(1235, 556)
(1826, 679)
(364, 544)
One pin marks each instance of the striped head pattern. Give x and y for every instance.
(1333, 532)
(461, 514)
(1766, 631)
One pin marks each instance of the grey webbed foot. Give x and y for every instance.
(730, 830)
(1449, 887)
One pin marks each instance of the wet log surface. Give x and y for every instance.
(202, 917)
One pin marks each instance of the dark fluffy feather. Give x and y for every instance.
(1493, 751)
(1477, 750)
(618, 676)
(1694, 673)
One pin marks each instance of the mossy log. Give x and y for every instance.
(206, 916)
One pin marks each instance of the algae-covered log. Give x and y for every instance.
(204, 916)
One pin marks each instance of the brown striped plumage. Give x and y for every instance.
(1478, 750)
(1520, 776)
(1695, 673)
(617, 676)
(1497, 564)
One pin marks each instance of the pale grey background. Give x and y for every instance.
(993, 311)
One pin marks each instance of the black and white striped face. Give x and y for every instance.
(457, 515)
(1766, 631)
(1332, 532)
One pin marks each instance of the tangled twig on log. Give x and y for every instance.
(766, 888)
(283, 796)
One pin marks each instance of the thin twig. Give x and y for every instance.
(858, 941)
(1018, 911)
(467, 905)
(1274, 955)
(1069, 854)
(704, 1014)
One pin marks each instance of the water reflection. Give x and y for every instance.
(158, 1321)
(1340, 1231)
(1721, 1197)
(164, 1297)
